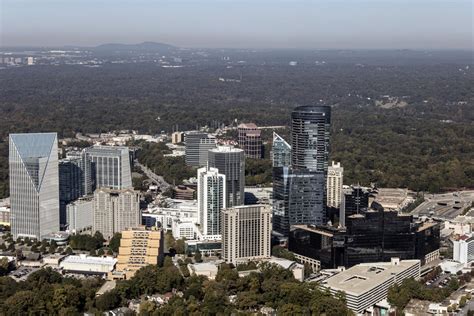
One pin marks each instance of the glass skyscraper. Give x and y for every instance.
(34, 184)
(197, 146)
(281, 152)
(112, 166)
(231, 163)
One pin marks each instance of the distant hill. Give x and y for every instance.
(145, 46)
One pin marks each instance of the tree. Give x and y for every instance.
(107, 301)
(198, 256)
(4, 266)
(114, 243)
(69, 251)
(100, 252)
(180, 245)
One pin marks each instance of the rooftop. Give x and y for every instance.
(363, 277)
(247, 125)
(226, 149)
(84, 259)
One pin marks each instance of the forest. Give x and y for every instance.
(399, 125)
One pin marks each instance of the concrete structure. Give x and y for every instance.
(197, 146)
(296, 268)
(463, 248)
(5, 212)
(209, 247)
(177, 137)
(60, 238)
(112, 166)
(367, 284)
(392, 198)
(211, 200)
(334, 184)
(246, 233)
(138, 248)
(184, 229)
(451, 266)
(206, 269)
(34, 185)
(281, 152)
(184, 210)
(116, 210)
(184, 193)
(84, 264)
(461, 225)
(230, 162)
(250, 140)
(80, 215)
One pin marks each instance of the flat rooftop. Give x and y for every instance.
(363, 277)
(82, 259)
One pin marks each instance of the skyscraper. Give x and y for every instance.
(334, 185)
(310, 128)
(34, 187)
(250, 140)
(84, 162)
(211, 200)
(197, 146)
(111, 166)
(116, 210)
(281, 152)
(231, 163)
(246, 233)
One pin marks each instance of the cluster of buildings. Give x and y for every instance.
(360, 232)
(88, 189)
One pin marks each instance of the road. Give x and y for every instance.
(159, 180)
(444, 206)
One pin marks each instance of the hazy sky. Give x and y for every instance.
(426, 24)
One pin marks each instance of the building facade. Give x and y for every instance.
(250, 140)
(463, 248)
(211, 200)
(281, 152)
(80, 215)
(334, 184)
(138, 248)
(34, 184)
(197, 146)
(177, 137)
(116, 210)
(230, 162)
(112, 168)
(246, 233)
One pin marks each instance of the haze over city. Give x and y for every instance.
(355, 24)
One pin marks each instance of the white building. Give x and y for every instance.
(116, 210)
(246, 233)
(184, 229)
(80, 215)
(87, 264)
(366, 284)
(463, 248)
(207, 269)
(211, 194)
(334, 185)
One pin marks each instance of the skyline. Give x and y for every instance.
(302, 24)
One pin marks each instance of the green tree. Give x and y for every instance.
(114, 243)
(198, 256)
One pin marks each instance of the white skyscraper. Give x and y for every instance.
(246, 233)
(334, 185)
(211, 200)
(34, 184)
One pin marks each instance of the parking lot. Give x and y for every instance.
(22, 273)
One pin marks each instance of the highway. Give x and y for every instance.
(159, 180)
(444, 206)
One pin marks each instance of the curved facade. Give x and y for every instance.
(310, 128)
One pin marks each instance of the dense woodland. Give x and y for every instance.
(424, 142)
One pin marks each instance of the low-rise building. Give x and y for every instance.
(139, 247)
(84, 264)
(80, 215)
(5, 212)
(366, 284)
(463, 248)
(184, 229)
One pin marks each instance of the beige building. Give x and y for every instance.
(138, 248)
(246, 233)
(177, 137)
(116, 210)
(334, 185)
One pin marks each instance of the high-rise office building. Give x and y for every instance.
(139, 247)
(250, 140)
(197, 146)
(211, 200)
(310, 128)
(84, 162)
(116, 210)
(112, 167)
(34, 184)
(281, 152)
(246, 233)
(334, 185)
(231, 163)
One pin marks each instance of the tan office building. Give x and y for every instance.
(139, 247)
